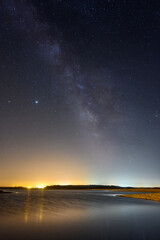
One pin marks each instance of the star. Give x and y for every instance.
(36, 101)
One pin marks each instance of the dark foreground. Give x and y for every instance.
(3, 192)
(96, 215)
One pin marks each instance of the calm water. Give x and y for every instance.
(77, 215)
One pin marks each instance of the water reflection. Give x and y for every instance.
(27, 207)
(77, 215)
(29, 211)
(41, 206)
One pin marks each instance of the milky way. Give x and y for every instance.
(80, 92)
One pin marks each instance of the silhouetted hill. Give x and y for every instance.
(81, 187)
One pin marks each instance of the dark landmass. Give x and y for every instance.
(102, 187)
(16, 188)
(3, 192)
(88, 187)
(81, 187)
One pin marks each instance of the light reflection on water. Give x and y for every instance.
(28, 207)
(77, 215)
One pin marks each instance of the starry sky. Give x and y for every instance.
(80, 92)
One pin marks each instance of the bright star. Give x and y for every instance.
(36, 101)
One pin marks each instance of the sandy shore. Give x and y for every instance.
(147, 196)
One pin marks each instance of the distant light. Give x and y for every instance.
(29, 187)
(36, 101)
(41, 186)
(64, 184)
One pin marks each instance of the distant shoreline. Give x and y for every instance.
(4, 192)
(87, 187)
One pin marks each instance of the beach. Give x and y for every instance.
(147, 196)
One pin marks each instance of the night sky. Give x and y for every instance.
(80, 92)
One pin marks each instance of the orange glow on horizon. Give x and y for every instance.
(31, 185)
(65, 184)
(43, 168)
(41, 186)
